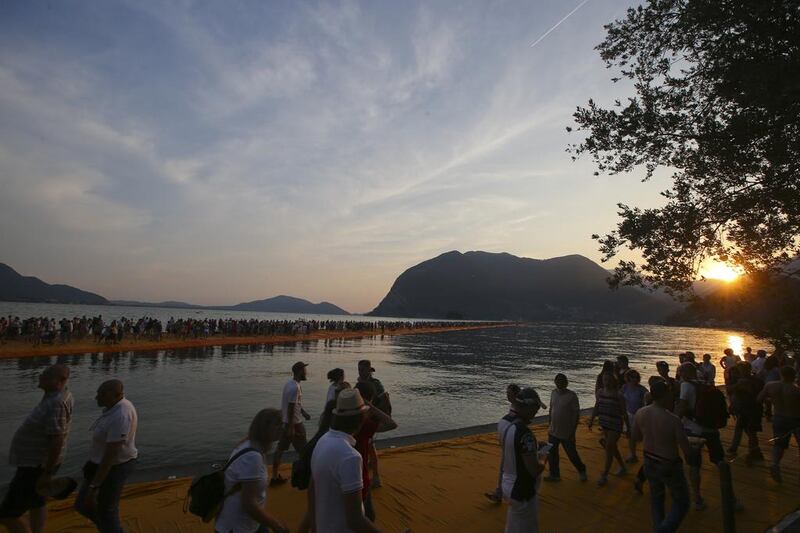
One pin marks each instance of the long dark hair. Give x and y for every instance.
(262, 428)
(335, 375)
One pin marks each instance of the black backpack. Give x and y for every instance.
(207, 492)
(301, 467)
(711, 409)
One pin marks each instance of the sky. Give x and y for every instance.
(219, 152)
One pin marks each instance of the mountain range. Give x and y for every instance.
(15, 287)
(496, 286)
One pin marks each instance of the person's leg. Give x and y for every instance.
(299, 440)
(631, 442)
(613, 439)
(283, 444)
(553, 459)
(781, 433)
(694, 461)
(369, 508)
(373, 462)
(108, 496)
(753, 448)
(679, 493)
(522, 517)
(571, 449)
(653, 472)
(19, 499)
(38, 516)
(609, 449)
(737, 436)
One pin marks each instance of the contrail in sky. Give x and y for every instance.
(540, 39)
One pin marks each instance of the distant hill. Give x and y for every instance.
(289, 304)
(15, 287)
(170, 304)
(496, 286)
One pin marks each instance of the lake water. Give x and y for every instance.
(195, 404)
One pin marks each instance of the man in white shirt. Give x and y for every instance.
(758, 363)
(112, 458)
(565, 412)
(294, 432)
(334, 494)
(37, 450)
(708, 369)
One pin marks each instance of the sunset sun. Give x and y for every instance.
(721, 271)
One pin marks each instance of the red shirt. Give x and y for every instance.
(363, 438)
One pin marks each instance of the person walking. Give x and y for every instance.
(376, 421)
(37, 451)
(522, 466)
(565, 413)
(334, 495)
(610, 408)
(703, 435)
(245, 479)
(634, 393)
(112, 458)
(383, 402)
(512, 390)
(785, 398)
(663, 439)
(745, 406)
(292, 413)
(708, 369)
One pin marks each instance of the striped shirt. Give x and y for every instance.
(51, 417)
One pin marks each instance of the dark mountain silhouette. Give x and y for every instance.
(289, 304)
(170, 304)
(497, 286)
(15, 287)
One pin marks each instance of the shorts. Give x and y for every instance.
(22, 496)
(298, 440)
(783, 427)
(714, 445)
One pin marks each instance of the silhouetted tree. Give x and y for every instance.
(715, 88)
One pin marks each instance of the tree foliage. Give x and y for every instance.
(716, 102)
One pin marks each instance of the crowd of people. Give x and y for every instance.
(673, 419)
(48, 330)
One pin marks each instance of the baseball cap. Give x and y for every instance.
(298, 365)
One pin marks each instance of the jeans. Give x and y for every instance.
(744, 425)
(105, 514)
(714, 445)
(663, 476)
(572, 453)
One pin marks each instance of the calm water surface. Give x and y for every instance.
(195, 404)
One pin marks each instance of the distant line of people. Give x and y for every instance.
(48, 330)
(673, 419)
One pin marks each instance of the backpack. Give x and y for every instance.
(711, 409)
(207, 493)
(301, 467)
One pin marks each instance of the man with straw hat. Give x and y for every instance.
(334, 495)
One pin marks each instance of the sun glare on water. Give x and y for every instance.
(720, 271)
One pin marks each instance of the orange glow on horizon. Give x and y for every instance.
(721, 271)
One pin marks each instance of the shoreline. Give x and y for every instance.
(23, 349)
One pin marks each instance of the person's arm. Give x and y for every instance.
(763, 395)
(636, 434)
(624, 410)
(576, 406)
(530, 455)
(305, 414)
(354, 514)
(251, 491)
(110, 454)
(311, 513)
(385, 422)
(681, 405)
(289, 425)
(683, 440)
(386, 402)
(594, 412)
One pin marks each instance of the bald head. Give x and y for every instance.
(109, 393)
(54, 378)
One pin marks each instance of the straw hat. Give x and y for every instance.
(350, 403)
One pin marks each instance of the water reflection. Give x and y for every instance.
(195, 403)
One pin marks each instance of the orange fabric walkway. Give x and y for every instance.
(438, 486)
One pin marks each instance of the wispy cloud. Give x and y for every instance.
(220, 154)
